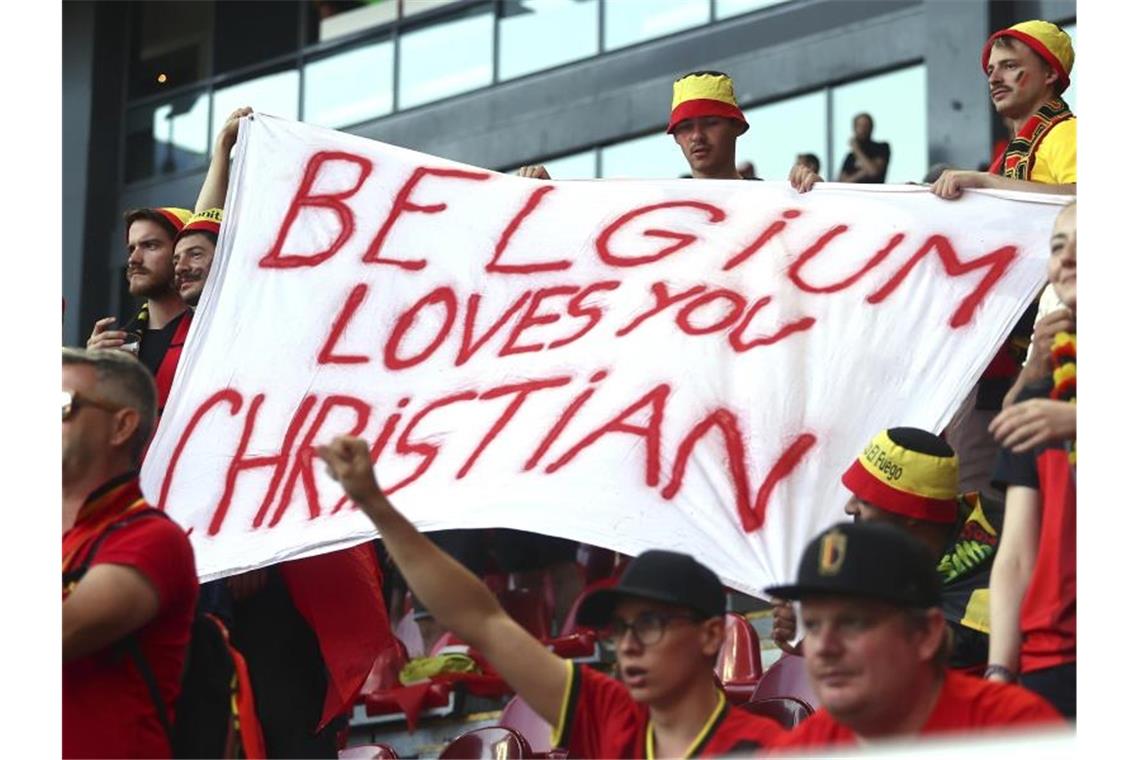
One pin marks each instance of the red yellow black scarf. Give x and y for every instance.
(1064, 359)
(1017, 160)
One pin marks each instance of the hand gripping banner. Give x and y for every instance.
(683, 364)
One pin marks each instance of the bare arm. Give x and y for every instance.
(217, 182)
(953, 181)
(110, 602)
(456, 598)
(1013, 567)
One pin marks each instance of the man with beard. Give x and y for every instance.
(194, 254)
(158, 330)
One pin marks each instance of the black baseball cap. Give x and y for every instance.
(877, 560)
(660, 576)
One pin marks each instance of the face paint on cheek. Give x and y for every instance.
(1019, 76)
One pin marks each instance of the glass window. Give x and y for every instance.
(780, 131)
(165, 138)
(329, 19)
(426, 74)
(630, 21)
(247, 32)
(170, 46)
(654, 156)
(1070, 94)
(275, 94)
(539, 34)
(349, 87)
(728, 8)
(575, 166)
(897, 105)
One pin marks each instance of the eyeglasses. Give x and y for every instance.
(648, 627)
(73, 402)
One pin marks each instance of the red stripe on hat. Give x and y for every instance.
(691, 109)
(1037, 46)
(866, 487)
(178, 223)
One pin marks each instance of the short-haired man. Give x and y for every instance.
(161, 325)
(867, 161)
(909, 477)
(129, 582)
(875, 643)
(665, 616)
(1027, 67)
(194, 254)
(705, 121)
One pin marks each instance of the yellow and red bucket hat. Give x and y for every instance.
(1046, 39)
(892, 473)
(209, 220)
(704, 93)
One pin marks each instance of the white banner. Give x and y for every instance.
(673, 363)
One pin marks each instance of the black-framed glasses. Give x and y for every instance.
(73, 402)
(648, 627)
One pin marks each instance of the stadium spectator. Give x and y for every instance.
(960, 530)
(809, 160)
(666, 618)
(867, 160)
(1027, 67)
(158, 330)
(309, 629)
(705, 122)
(194, 254)
(1033, 598)
(875, 645)
(129, 582)
(747, 170)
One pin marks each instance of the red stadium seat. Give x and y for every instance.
(529, 609)
(491, 742)
(787, 711)
(787, 677)
(596, 563)
(522, 718)
(739, 666)
(368, 752)
(575, 640)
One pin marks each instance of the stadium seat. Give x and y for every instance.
(787, 711)
(491, 742)
(575, 640)
(519, 716)
(787, 677)
(596, 563)
(367, 752)
(529, 609)
(739, 666)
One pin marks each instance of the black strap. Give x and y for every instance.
(129, 644)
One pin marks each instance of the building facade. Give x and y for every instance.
(583, 86)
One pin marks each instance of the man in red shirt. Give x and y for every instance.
(666, 620)
(876, 643)
(129, 582)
